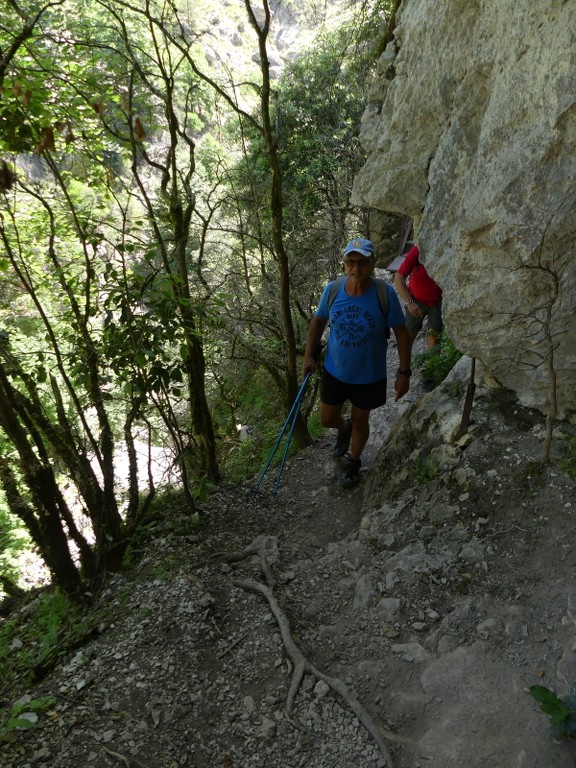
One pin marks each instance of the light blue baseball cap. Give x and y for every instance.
(360, 245)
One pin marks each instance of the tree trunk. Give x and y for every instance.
(301, 432)
(195, 363)
(42, 520)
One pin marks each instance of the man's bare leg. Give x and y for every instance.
(360, 431)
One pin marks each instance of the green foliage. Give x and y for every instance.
(24, 108)
(53, 624)
(170, 506)
(14, 540)
(426, 469)
(51, 615)
(320, 103)
(568, 462)
(17, 720)
(255, 408)
(316, 108)
(139, 267)
(248, 457)
(93, 301)
(145, 531)
(438, 361)
(314, 427)
(202, 489)
(562, 712)
(167, 512)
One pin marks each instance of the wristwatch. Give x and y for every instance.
(411, 301)
(407, 372)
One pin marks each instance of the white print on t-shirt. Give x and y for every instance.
(352, 327)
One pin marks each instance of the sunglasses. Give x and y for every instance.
(356, 262)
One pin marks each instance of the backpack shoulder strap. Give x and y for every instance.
(382, 291)
(334, 288)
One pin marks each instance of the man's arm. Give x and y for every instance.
(402, 383)
(315, 332)
(404, 292)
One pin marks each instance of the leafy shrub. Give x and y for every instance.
(52, 626)
(568, 463)
(437, 362)
(14, 540)
(242, 458)
(562, 712)
(426, 469)
(18, 720)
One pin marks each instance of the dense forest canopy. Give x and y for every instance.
(173, 197)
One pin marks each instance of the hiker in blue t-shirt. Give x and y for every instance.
(355, 364)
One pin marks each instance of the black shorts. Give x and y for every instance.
(364, 396)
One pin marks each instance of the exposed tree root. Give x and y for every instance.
(302, 666)
(264, 547)
(124, 759)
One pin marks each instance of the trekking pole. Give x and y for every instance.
(289, 440)
(290, 420)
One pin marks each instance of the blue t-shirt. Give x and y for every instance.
(357, 344)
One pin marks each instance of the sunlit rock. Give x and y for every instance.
(471, 129)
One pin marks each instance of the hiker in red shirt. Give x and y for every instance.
(422, 297)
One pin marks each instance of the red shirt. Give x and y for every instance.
(421, 285)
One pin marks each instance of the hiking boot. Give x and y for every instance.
(342, 441)
(351, 475)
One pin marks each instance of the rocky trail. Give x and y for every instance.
(329, 628)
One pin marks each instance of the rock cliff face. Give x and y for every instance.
(471, 129)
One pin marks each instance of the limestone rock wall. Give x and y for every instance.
(471, 129)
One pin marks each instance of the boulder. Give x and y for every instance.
(470, 128)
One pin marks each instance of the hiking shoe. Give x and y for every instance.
(342, 441)
(351, 475)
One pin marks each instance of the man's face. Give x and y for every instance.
(358, 265)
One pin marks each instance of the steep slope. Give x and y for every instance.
(426, 608)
